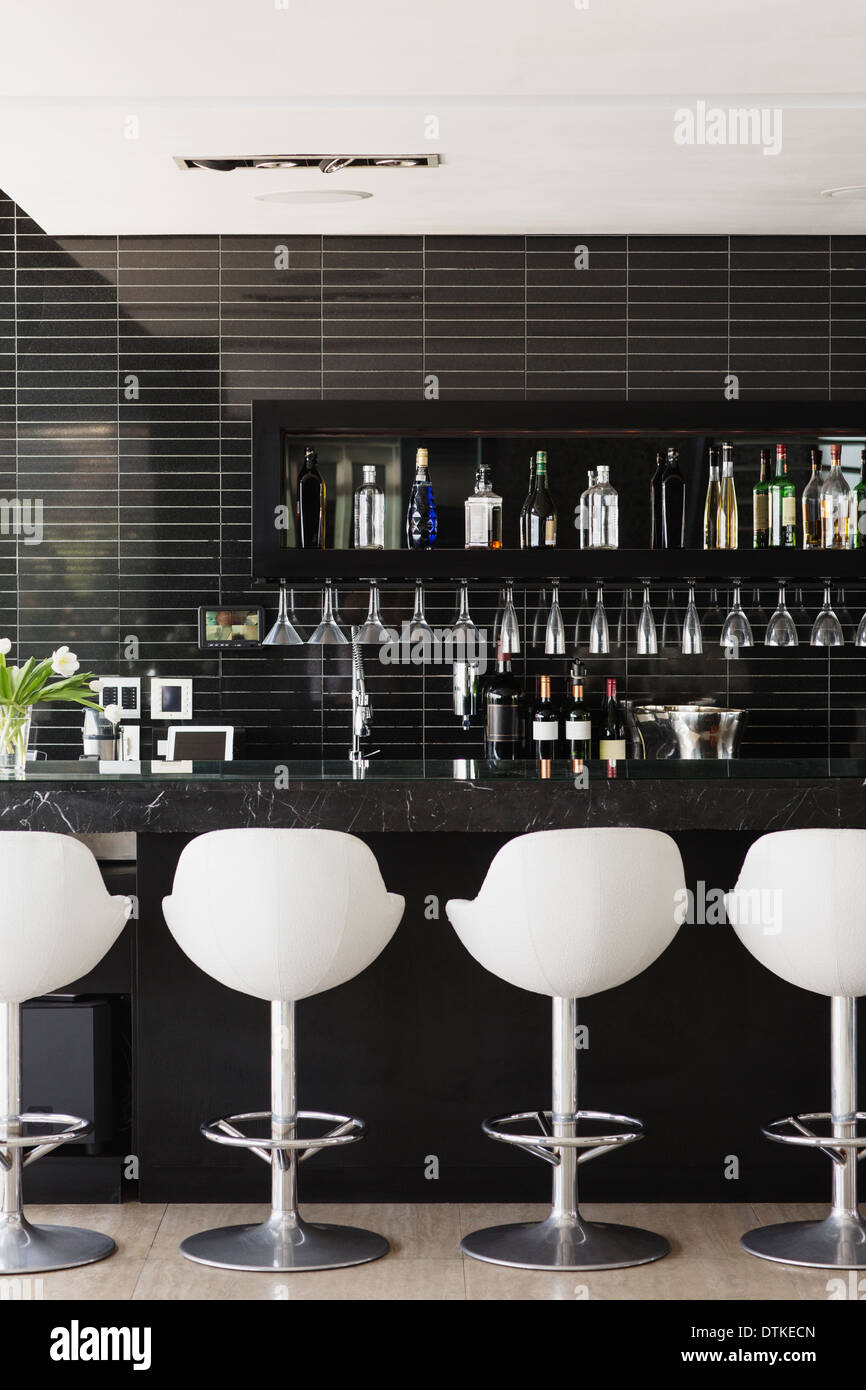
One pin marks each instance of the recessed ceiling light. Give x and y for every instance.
(333, 166)
(275, 164)
(312, 195)
(397, 163)
(850, 193)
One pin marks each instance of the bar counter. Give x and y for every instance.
(464, 795)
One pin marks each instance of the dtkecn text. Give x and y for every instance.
(722, 1334)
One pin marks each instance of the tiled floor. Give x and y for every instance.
(425, 1261)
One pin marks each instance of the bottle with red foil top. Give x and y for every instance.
(611, 742)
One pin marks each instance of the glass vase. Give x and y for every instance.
(14, 737)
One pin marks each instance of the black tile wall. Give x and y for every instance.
(127, 371)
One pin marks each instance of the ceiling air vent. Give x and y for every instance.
(327, 163)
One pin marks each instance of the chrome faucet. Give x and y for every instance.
(362, 711)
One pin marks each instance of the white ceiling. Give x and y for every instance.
(552, 118)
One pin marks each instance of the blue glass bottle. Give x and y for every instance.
(422, 524)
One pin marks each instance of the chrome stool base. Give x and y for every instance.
(837, 1242)
(565, 1243)
(283, 1245)
(27, 1249)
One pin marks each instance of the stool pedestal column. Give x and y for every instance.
(564, 1240)
(284, 1242)
(839, 1241)
(24, 1248)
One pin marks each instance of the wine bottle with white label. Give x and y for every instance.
(578, 728)
(545, 723)
(611, 743)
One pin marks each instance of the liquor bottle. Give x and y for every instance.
(673, 503)
(422, 525)
(578, 728)
(545, 722)
(483, 511)
(711, 505)
(583, 510)
(504, 708)
(541, 516)
(728, 511)
(813, 536)
(369, 512)
(611, 743)
(836, 504)
(761, 503)
(783, 504)
(656, 536)
(603, 506)
(527, 503)
(858, 508)
(310, 504)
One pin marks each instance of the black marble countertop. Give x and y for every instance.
(464, 796)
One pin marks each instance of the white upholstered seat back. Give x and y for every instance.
(573, 912)
(280, 914)
(57, 919)
(799, 906)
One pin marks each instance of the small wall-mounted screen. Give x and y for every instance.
(207, 744)
(230, 627)
(172, 699)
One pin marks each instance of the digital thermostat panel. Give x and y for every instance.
(170, 698)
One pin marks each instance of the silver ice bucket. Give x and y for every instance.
(689, 731)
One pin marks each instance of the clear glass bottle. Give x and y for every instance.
(541, 516)
(813, 533)
(761, 503)
(728, 511)
(656, 535)
(858, 508)
(783, 504)
(422, 525)
(603, 503)
(583, 510)
(711, 505)
(369, 512)
(836, 504)
(483, 512)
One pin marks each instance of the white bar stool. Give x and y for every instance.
(308, 912)
(57, 920)
(569, 913)
(799, 908)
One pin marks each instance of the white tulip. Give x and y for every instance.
(113, 713)
(64, 662)
(95, 686)
(5, 645)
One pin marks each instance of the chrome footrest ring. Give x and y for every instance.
(345, 1129)
(73, 1128)
(807, 1138)
(544, 1144)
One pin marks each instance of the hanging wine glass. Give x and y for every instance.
(781, 629)
(283, 633)
(860, 639)
(463, 622)
(509, 631)
(647, 642)
(328, 633)
(672, 632)
(539, 620)
(419, 626)
(736, 629)
(692, 640)
(497, 621)
(373, 629)
(846, 622)
(581, 620)
(599, 636)
(826, 629)
(554, 637)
